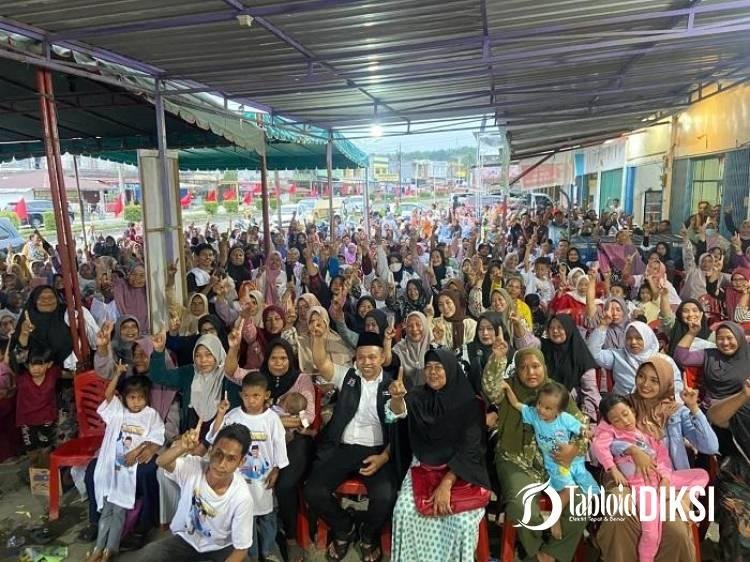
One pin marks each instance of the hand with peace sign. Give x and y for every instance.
(172, 272)
(235, 336)
(690, 399)
(27, 326)
(104, 337)
(120, 368)
(191, 438)
(500, 347)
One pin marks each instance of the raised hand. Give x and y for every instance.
(27, 326)
(223, 406)
(159, 340)
(174, 323)
(694, 327)
(500, 347)
(396, 389)
(172, 268)
(120, 368)
(690, 398)
(104, 336)
(605, 319)
(235, 336)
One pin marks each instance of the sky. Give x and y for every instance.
(410, 143)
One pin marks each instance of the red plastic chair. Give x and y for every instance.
(303, 523)
(509, 535)
(89, 394)
(352, 487)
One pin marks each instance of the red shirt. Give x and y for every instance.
(37, 404)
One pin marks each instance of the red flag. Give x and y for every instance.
(118, 206)
(293, 188)
(248, 198)
(21, 211)
(229, 195)
(211, 196)
(185, 201)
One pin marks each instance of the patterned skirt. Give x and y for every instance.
(417, 538)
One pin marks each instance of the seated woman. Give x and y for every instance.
(641, 344)
(733, 414)
(658, 413)
(446, 433)
(518, 459)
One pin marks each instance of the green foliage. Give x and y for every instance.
(424, 195)
(11, 216)
(211, 207)
(273, 204)
(133, 213)
(231, 206)
(230, 175)
(49, 220)
(467, 154)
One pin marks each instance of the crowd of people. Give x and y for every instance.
(444, 360)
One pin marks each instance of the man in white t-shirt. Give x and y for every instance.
(214, 518)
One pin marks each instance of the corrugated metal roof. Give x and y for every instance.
(554, 72)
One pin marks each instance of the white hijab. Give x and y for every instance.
(205, 390)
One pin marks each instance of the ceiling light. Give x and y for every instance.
(245, 20)
(376, 131)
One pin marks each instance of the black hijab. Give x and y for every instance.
(724, 375)
(407, 305)
(445, 426)
(680, 328)
(50, 329)
(567, 361)
(354, 321)
(216, 322)
(238, 273)
(279, 386)
(380, 318)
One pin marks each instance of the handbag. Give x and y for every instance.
(464, 496)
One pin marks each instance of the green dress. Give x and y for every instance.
(519, 463)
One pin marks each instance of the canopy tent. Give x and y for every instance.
(553, 74)
(113, 121)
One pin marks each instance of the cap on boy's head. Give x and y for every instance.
(367, 339)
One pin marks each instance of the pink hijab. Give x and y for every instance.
(731, 295)
(271, 276)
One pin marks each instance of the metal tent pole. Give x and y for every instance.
(65, 241)
(80, 206)
(329, 170)
(161, 139)
(366, 206)
(264, 200)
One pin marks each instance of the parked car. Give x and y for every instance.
(35, 210)
(315, 210)
(406, 209)
(9, 237)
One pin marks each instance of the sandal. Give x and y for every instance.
(338, 548)
(371, 552)
(294, 552)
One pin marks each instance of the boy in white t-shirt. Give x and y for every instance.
(134, 433)
(214, 517)
(266, 456)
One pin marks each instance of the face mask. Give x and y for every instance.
(395, 267)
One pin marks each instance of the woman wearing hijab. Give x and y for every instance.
(453, 328)
(518, 459)
(341, 354)
(689, 312)
(724, 368)
(356, 321)
(573, 260)
(445, 424)
(130, 294)
(237, 268)
(737, 297)
(572, 364)
(112, 347)
(703, 280)
(414, 299)
(493, 280)
(284, 377)
(201, 383)
(573, 300)
(47, 314)
(182, 346)
(412, 348)
(272, 279)
(489, 326)
(660, 415)
(197, 307)
(732, 414)
(616, 309)
(641, 345)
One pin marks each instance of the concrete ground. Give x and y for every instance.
(20, 513)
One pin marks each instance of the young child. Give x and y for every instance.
(553, 427)
(624, 450)
(36, 406)
(293, 404)
(539, 281)
(134, 433)
(262, 463)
